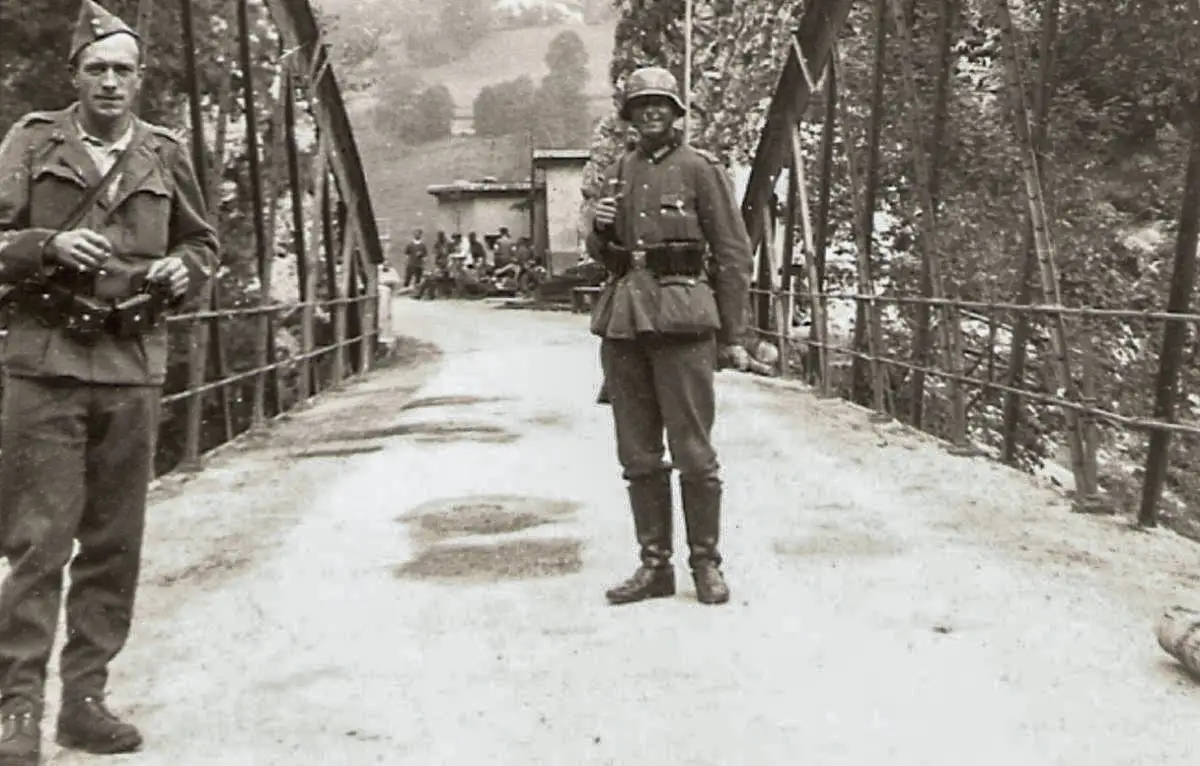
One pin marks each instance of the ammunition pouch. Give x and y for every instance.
(666, 259)
(119, 302)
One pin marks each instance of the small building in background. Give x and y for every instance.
(482, 207)
(557, 183)
(546, 208)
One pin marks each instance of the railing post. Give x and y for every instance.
(197, 348)
(1183, 279)
(299, 241)
(1088, 498)
(810, 266)
(787, 282)
(260, 235)
(341, 292)
(370, 311)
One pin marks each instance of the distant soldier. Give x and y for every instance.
(102, 227)
(415, 253)
(668, 209)
(504, 248)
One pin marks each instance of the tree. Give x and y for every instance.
(561, 106)
(505, 108)
(434, 114)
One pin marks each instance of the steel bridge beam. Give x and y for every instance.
(814, 38)
(302, 39)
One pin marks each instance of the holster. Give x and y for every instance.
(665, 259)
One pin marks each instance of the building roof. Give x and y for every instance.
(571, 155)
(479, 189)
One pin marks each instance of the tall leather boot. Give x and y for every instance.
(650, 499)
(702, 515)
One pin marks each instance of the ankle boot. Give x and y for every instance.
(650, 500)
(20, 738)
(87, 724)
(702, 515)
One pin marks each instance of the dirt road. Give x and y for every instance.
(411, 572)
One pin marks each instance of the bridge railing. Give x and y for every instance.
(316, 193)
(1061, 355)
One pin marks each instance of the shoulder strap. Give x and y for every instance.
(93, 194)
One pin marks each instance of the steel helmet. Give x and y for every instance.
(651, 81)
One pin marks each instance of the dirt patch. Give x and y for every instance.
(548, 419)
(450, 401)
(486, 515)
(436, 432)
(513, 560)
(336, 452)
(216, 564)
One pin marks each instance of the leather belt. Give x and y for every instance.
(668, 259)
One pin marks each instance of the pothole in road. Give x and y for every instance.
(511, 560)
(847, 544)
(450, 401)
(486, 515)
(434, 432)
(337, 452)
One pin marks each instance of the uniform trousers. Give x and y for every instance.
(76, 460)
(657, 383)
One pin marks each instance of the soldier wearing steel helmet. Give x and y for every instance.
(91, 265)
(669, 232)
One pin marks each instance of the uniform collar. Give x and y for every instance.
(120, 145)
(663, 151)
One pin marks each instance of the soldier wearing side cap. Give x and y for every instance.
(679, 259)
(84, 363)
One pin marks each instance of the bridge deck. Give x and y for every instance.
(892, 603)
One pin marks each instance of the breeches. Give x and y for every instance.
(658, 384)
(75, 464)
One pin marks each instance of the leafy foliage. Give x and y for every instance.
(413, 113)
(555, 114)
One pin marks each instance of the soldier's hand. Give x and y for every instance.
(79, 250)
(170, 271)
(736, 357)
(606, 212)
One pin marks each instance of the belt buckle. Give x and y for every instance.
(638, 259)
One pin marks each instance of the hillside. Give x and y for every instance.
(510, 53)
(399, 175)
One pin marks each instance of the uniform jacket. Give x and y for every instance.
(675, 193)
(156, 210)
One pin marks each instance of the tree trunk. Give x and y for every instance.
(864, 227)
(948, 328)
(1183, 276)
(871, 184)
(947, 18)
(1044, 243)
(1042, 94)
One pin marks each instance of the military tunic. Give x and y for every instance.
(80, 419)
(660, 333)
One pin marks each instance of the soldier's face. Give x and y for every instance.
(652, 116)
(108, 77)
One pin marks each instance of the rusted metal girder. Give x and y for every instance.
(301, 35)
(819, 27)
